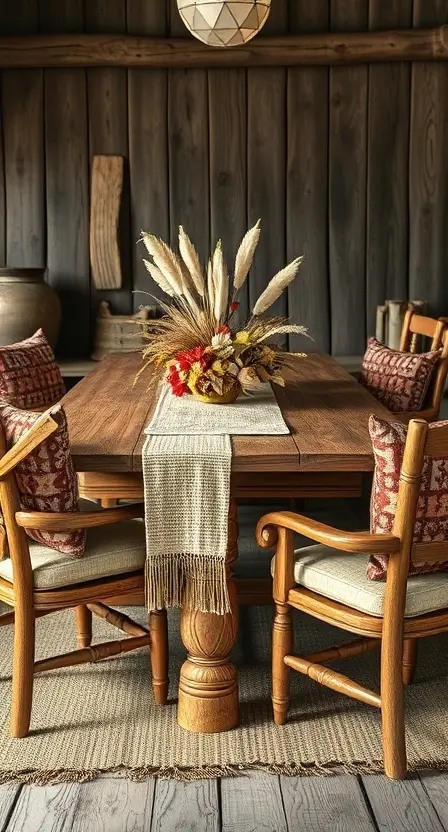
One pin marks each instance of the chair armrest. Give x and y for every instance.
(41, 430)
(357, 542)
(70, 521)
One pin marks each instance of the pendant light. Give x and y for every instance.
(224, 23)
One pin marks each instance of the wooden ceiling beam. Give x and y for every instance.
(324, 49)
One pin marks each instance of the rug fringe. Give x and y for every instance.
(210, 772)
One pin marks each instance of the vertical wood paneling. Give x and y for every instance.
(2, 191)
(24, 169)
(148, 145)
(108, 134)
(428, 171)
(347, 189)
(66, 146)
(2, 161)
(175, 24)
(387, 168)
(228, 138)
(324, 157)
(23, 140)
(307, 184)
(266, 164)
(188, 142)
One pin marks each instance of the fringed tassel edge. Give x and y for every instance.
(184, 580)
(209, 772)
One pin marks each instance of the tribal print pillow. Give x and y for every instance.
(29, 376)
(388, 441)
(399, 380)
(46, 479)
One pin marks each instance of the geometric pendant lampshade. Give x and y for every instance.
(224, 22)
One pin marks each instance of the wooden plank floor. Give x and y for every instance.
(251, 802)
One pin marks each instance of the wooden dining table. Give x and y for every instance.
(326, 454)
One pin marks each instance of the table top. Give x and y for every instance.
(325, 408)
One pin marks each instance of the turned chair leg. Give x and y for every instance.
(23, 671)
(158, 627)
(392, 715)
(282, 645)
(409, 659)
(83, 626)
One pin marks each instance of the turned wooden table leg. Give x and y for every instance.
(208, 687)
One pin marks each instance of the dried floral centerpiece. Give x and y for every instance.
(196, 345)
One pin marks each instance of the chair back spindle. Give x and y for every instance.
(436, 448)
(415, 325)
(415, 329)
(424, 444)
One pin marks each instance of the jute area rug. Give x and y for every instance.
(101, 717)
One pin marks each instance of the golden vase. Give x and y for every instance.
(228, 397)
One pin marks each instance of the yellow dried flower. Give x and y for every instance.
(243, 337)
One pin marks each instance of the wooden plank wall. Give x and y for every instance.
(348, 165)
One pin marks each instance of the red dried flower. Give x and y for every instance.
(197, 355)
(178, 385)
(180, 388)
(234, 306)
(222, 329)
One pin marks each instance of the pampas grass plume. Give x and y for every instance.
(190, 257)
(245, 256)
(276, 286)
(158, 278)
(166, 262)
(220, 284)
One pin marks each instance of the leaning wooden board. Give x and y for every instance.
(105, 205)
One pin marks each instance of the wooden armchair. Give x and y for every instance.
(333, 587)
(31, 582)
(414, 328)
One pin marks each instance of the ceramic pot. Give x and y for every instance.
(26, 304)
(215, 398)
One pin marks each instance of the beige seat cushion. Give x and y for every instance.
(110, 550)
(343, 578)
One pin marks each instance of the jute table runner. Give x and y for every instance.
(187, 460)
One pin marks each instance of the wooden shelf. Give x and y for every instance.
(77, 368)
(351, 363)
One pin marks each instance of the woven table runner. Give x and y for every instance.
(187, 460)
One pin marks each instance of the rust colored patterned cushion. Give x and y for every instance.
(388, 441)
(46, 479)
(29, 375)
(399, 380)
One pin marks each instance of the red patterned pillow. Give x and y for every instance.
(399, 380)
(29, 375)
(388, 441)
(46, 479)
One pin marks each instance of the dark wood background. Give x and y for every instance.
(348, 165)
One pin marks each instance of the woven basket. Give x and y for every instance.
(119, 333)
